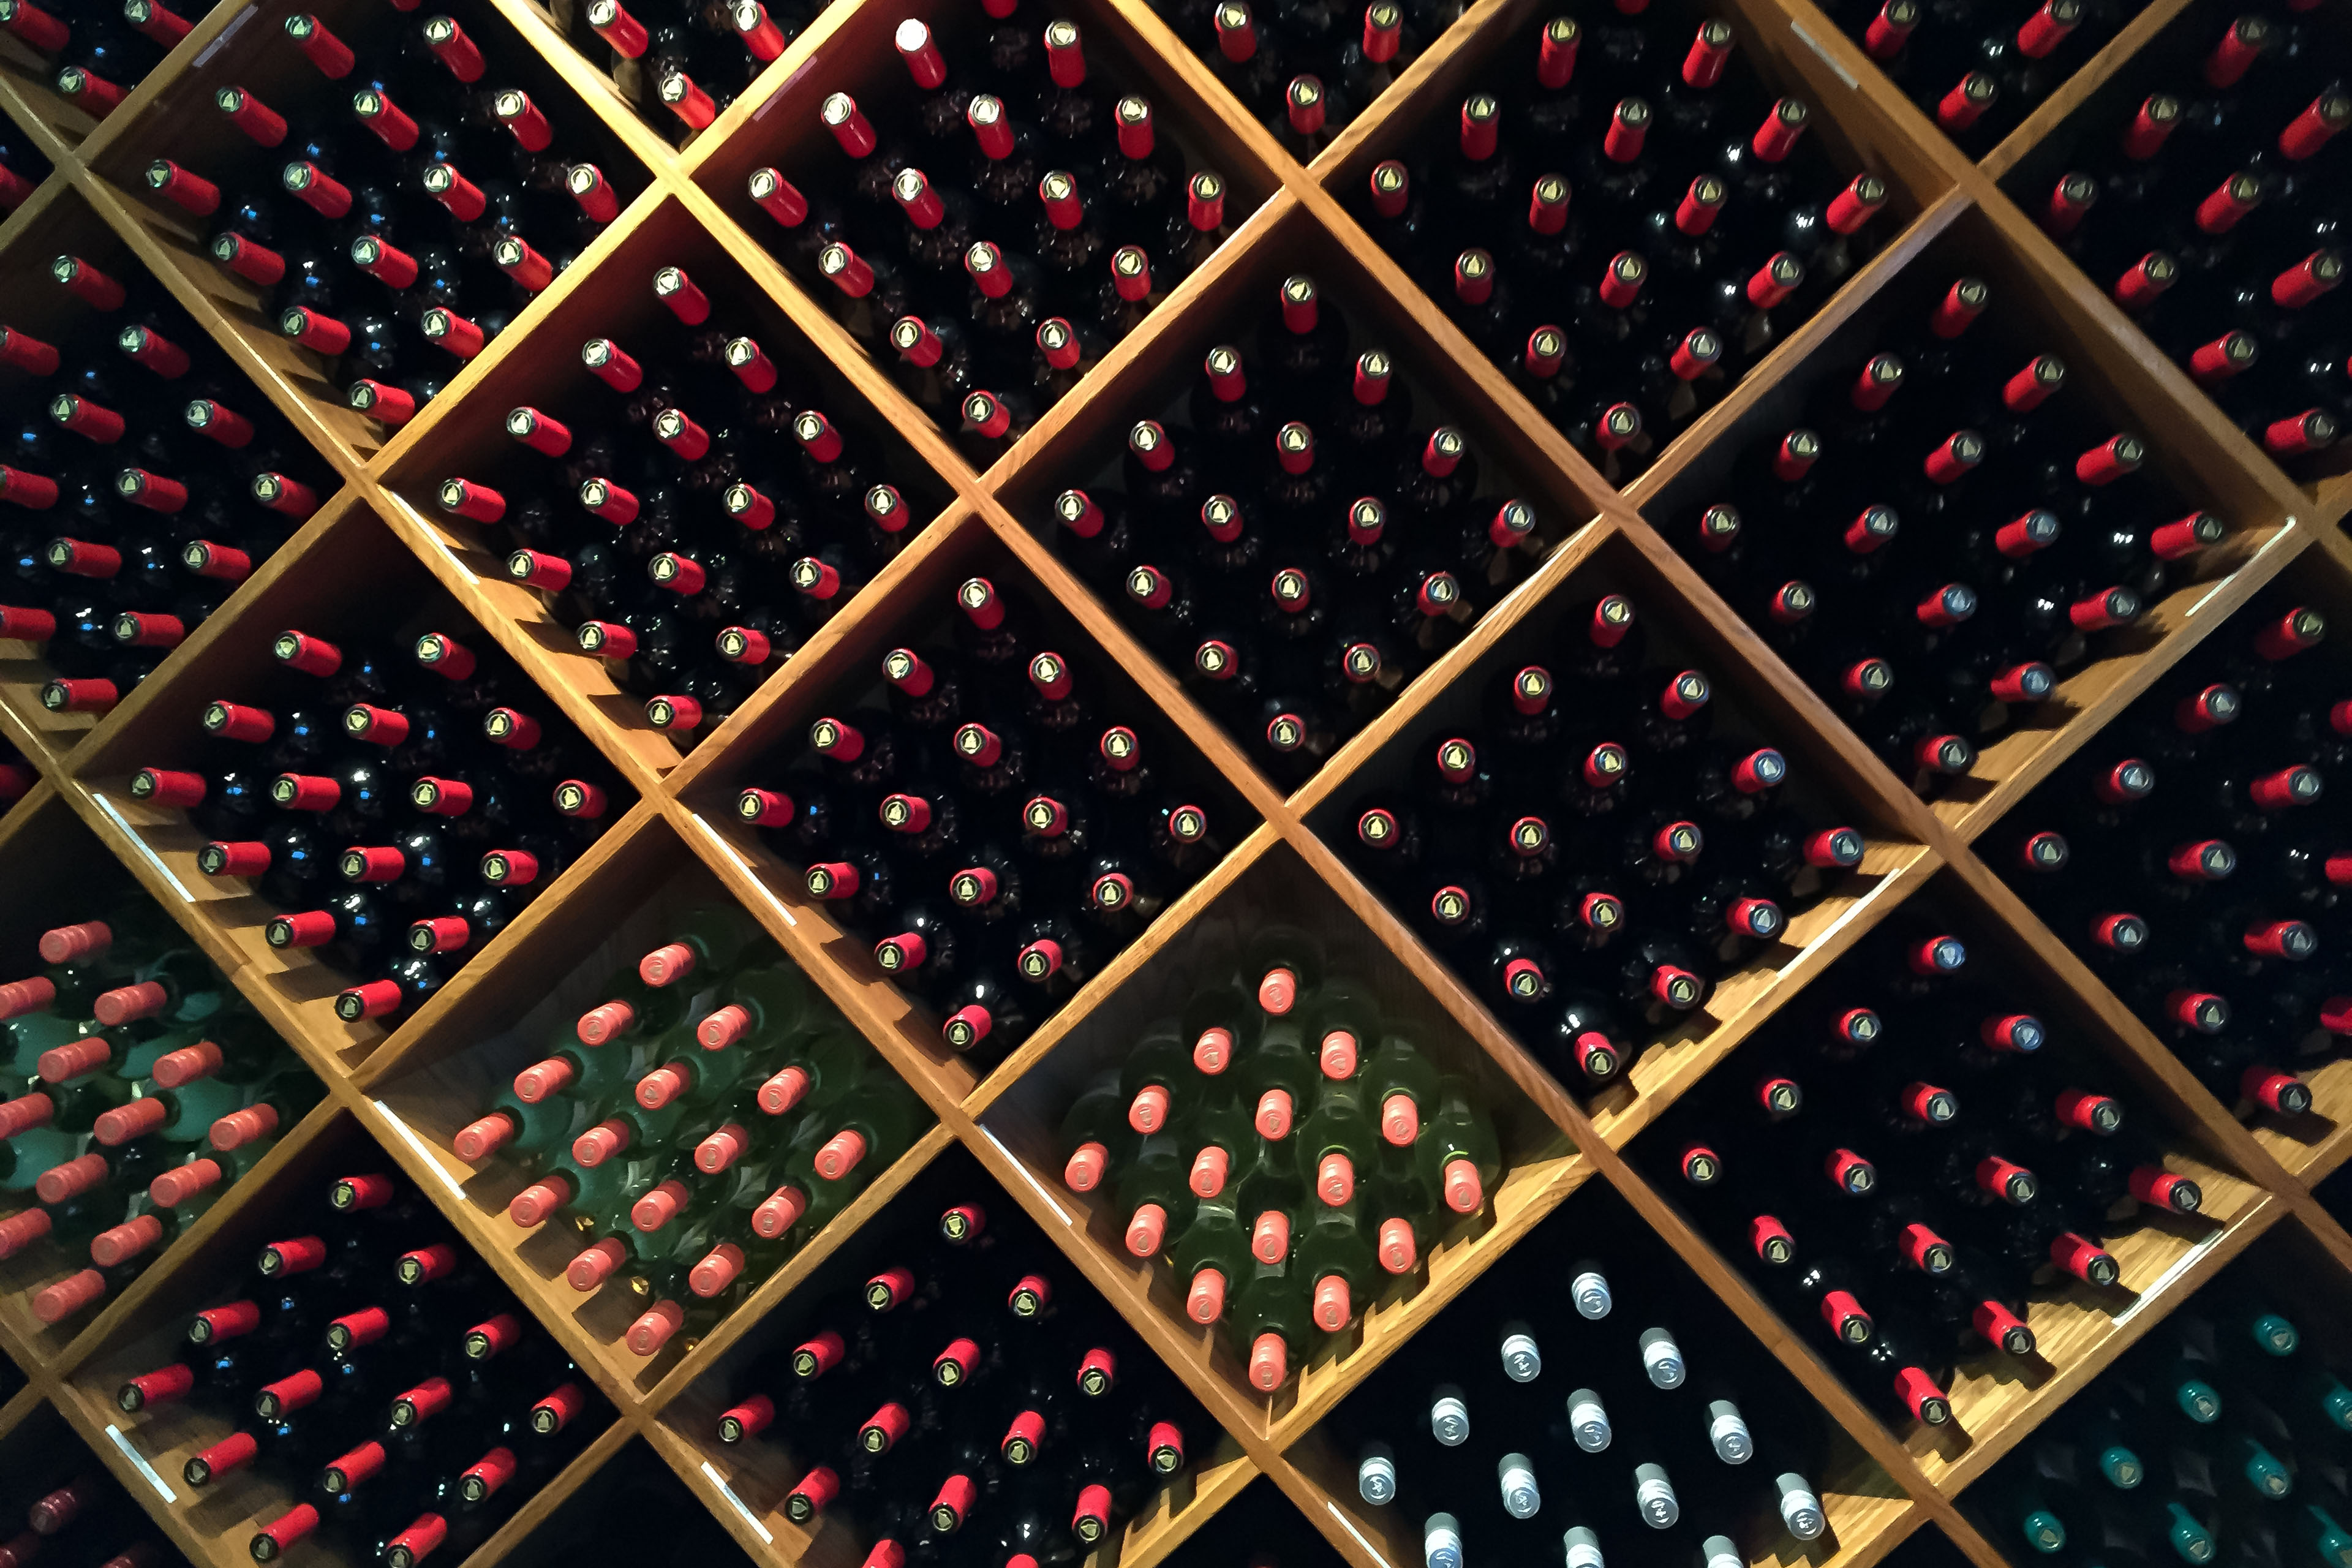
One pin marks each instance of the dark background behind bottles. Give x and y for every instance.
(1278, 889)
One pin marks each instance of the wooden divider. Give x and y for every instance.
(407, 1088)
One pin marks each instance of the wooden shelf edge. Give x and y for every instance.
(2094, 73)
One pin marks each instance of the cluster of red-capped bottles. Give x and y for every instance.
(1947, 534)
(400, 206)
(1624, 221)
(1903, 1158)
(992, 227)
(2204, 209)
(140, 1088)
(1598, 852)
(695, 1128)
(964, 1404)
(379, 1375)
(1305, 68)
(115, 1536)
(999, 830)
(1978, 68)
(2185, 854)
(682, 64)
(142, 480)
(96, 53)
(1285, 1146)
(1305, 545)
(398, 803)
(727, 517)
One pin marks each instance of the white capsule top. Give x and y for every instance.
(1655, 1495)
(1582, 1548)
(1522, 1360)
(1449, 1417)
(1376, 1477)
(1587, 1420)
(1801, 1510)
(1440, 1541)
(1728, 1430)
(1591, 1290)
(1663, 1359)
(1721, 1553)
(1516, 1473)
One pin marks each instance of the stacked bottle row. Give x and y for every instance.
(398, 205)
(698, 519)
(1534, 1419)
(1979, 71)
(964, 1404)
(695, 1128)
(992, 227)
(1934, 561)
(680, 64)
(1624, 223)
(85, 1523)
(405, 801)
(143, 479)
(139, 1089)
(1594, 856)
(2203, 207)
(1306, 71)
(1903, 1155)
(1286, 1147)
(2182, 854)
(96, 53)
(999, 831)
(374, 1370)
(1307, 544)
(2215, 1439)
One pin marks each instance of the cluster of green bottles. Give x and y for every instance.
(698, 1126)
(1285, 1146)
(2222, 1437)
(139, 1087)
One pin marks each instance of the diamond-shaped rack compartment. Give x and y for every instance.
(65, 875)
(89, 1514)
(1658, 1052)
(747, 1481)
(149, 1448)
(2185, 472)
(462, 1065)
(1539, 1165)
(1768, 65)
(1259, 1525)
(805, 547)
(788, 136)
(635, 1506)
(2088, 133)
(184, 125)
(1182, 787)
(2008, 1108)
(84, 507)
(1652, 1409)
(243, 709)
(1441, 554)
(2288, 1274)
(2279, 1015)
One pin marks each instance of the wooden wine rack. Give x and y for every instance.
(405, 1089)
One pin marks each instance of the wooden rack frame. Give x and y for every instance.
(685, 203)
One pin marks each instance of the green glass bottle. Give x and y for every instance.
(1398, 1206)
(686, 1072)
(26, 1154)
(2038, 1524)
(633, 1010)
(871, 1125)
(182, 1115)
(2186, 1535)
(592, 1073)
(1162, 1087)
(1461, 1158)
(1222, 1140)
(1220, 1024)
(1342, 1021)
(766, 1008)
(1271, 1184)
(1269, 1326)
(1211, 1260)
(595, 1197)
(2106, 1444)
(1280, 963)
(1154, 1194)
(1279, 1079)
(1336, 1141)
(824, 1066)
(1335, 1262)
(529, 1135)
(706, 943)
(2251, 1462)
(2329, 1542)
(177, 987)
(1401, 1084)
(30, 1035)
(1096, 1142)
